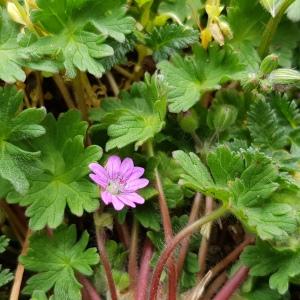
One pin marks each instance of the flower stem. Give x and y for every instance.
(64, 91)
(223, 264)
(205, 239)
(233, 284)
(185, 244)
(132, 264)
(271, 28)
(15, 291)
(174, 242)
(100, 236)
(89, 288)
(216, 285)
(79, 96)
(167, 225)
(143, 278)
(112, 83)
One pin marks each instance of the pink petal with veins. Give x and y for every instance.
(137, 172)
(98, 179)
(113, 166)
(126, 201)
(118, 205)
(135, 184)
(126, 168)
(134, 197)
(106, 197)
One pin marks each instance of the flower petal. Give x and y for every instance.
(126, 168)
(126, 201)
(99, 170)
(133, 197)
(96, 178)
(137, 172)
(113, 166)
(135, 184)
(106, 197)
(118, 205)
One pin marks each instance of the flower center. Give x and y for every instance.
(114, 187)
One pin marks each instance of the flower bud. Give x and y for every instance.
(226, 30)
(206, 37)
(269, 64)
(15, 14)
(221, 117)
(216, 33)
(284, 76)
(188, 121)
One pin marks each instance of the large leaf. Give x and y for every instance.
(56, 259)
(16, 161)
(65, 164)
(190, 77)
(139, 116)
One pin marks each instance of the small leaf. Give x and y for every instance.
(65, 256)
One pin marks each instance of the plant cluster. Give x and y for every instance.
(149, 149)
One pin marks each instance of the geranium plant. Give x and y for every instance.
(149, 149)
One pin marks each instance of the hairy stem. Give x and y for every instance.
(205, 239)
(185, 244)
(123, 232)
(88, 88)
(18, 228)
(167, 225)
(79, 96)
(215, 286)
(219, 267)
(100, 237)
(144, 273)
(15, 291)
(64, 91)
(132, 264)
(233, 284)
(271, 28)
(112, 83)
(89, 288)
(174, 242)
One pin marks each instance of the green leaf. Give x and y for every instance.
(77, 32)
(282, 266)
(65, 164)
(190, 77)
(12, 55)
(148, 217)
(16, 128)
(246, 19)
(3, 243)
(139, 116)
(65, 256)
(264, 127)
(224, 165)
(196, 175)
(271, 6)
(5, 276)
(165, 40)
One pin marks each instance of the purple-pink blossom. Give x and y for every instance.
(119, 181)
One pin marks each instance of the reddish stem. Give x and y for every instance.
(144, 274)
(123, 232)
(132, 261)
(167, 225)
(205, 239)
(100, 236)
(215, 286)
(233, 284)
(89, 289)
(224, 263)
(185, 244)
(174, 242)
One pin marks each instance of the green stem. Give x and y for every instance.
(271, 28)
(175, 241)
(79, 96)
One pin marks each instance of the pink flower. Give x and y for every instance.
(119, 181)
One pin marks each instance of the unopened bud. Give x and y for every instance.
(14, 13)
(226, 30)
(188, 121)
(217, 33)
(269, 64)
(284, 76)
